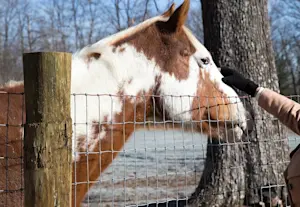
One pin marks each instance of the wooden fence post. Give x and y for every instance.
(48, 128)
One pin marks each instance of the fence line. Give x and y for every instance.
(162, 161)
(157, 166)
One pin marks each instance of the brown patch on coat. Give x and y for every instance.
(210, 105)
(166, 43)
(93, 55)
(122, 49)
(12, 118)
(90, 166)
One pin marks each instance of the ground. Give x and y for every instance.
(153, 166)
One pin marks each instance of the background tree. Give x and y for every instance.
(285, 22)
(69, 25)
(238, 35)
(65, 26)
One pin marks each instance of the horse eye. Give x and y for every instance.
(205, 61)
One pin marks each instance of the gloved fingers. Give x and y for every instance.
(229, 80)
(225, 71)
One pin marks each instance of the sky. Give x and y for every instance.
(164, 3)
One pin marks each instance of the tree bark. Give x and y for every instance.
(237, 34)
(222, 181)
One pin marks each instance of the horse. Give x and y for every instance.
(155, 68)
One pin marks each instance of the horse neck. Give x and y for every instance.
(100, 87)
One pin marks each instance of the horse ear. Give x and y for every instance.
(170, 11)
(178, 18)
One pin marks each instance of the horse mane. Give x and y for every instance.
(112, 39)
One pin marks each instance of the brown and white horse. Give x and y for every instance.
(156, 67)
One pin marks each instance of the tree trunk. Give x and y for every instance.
(221, 183)
(237, 34)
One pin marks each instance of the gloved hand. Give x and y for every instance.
(233, 78)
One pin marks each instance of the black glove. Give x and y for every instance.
(233, 78)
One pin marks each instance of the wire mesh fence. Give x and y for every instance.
(11, 148)
(162, 160)
(154, 166)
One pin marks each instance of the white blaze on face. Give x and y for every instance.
(238, 111)
(178, 95)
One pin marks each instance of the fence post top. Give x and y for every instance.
(50, 52)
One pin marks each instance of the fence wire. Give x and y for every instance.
(11, 148)
(162, 161)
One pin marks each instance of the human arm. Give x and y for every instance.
(283, 108)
